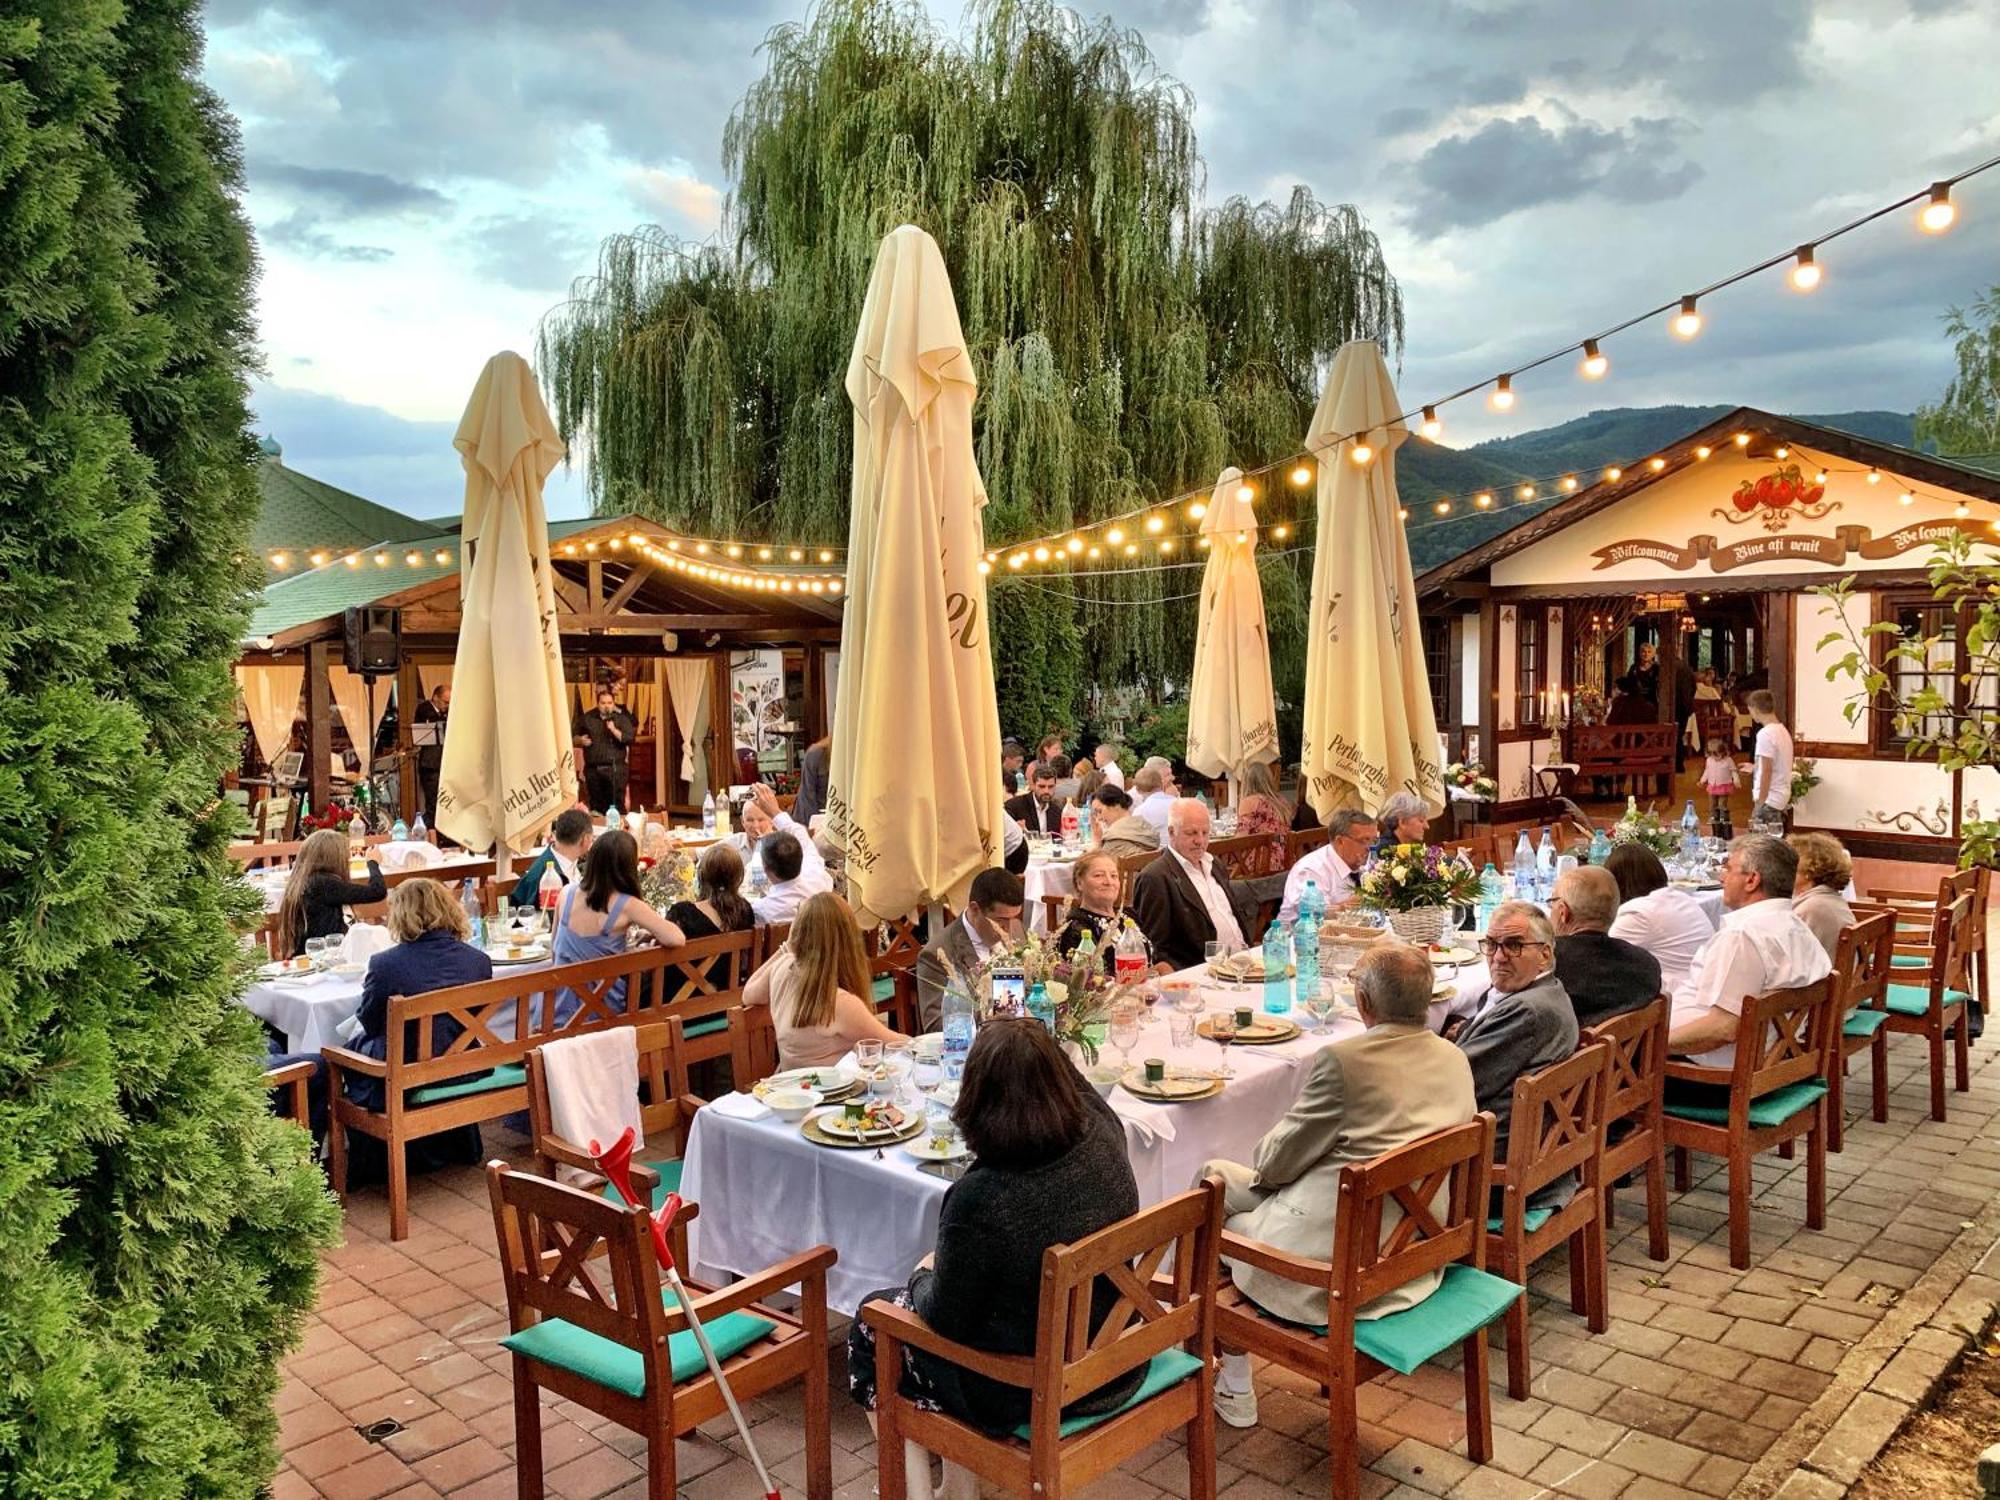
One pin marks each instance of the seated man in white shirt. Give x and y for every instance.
(1332, 866)
(1182, 901)
(784, 859)
(1763, 946)
(1153, 792)
(761, 817)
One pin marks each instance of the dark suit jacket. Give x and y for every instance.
(529, 886)
(1605, 976)
(1173, 916)
(1514, 1034)
(434, 961)
(1046, 819)
(932, 976)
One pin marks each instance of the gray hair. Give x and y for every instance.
(1774, 862)
(1538, 920)
(1591, 894)
(1341, 824)
(1403, 805)
(1395, 979)
(1178, 809)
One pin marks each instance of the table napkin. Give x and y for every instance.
(740, 1107)
(1151, 1122)
(364, 940)
(593, 1083)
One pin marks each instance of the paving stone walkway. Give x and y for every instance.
(1709, 1381)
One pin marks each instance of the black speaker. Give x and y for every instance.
(372, 639)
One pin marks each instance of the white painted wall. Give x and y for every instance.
(1865, 796)
(1817, 712)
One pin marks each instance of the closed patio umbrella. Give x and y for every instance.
(1370, 730)
(1232, 720)
(507, 766)
(913, 794)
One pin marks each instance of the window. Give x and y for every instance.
(1530, 669)
(1437, 664)
(1962, 680)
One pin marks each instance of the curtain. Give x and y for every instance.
(350, 695)
(271, 698)
(687, 687)
(431, 677)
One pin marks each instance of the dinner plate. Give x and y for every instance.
(1452, 955)
(925, 1148)
(528, 955)
(815, 1128)
(830, 1082)
(1265, 1031)
(1230, 974)
(1443, 992)
(349, 971)
(277, 968)
(1171, 1089)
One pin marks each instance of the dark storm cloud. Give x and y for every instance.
(1506, 165)
(348, 191)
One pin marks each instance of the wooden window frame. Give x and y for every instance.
(1883, 738)
(1531, 667)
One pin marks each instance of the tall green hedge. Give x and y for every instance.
(158, 1228)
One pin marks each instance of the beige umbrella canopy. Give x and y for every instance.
(507, 767)
(1232, 720)
(914, 781)
(1370, 731)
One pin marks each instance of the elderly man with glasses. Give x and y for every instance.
(1524, 1021)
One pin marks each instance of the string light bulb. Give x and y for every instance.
(381, 559)
(353, 559)
(1403, 512)
(1569, 483)
(1074, 545)
(1614, 472)
(1361, 453)
(826, 555)
(280, 561)
(1594, 363)
(1703, 451)
(1115, 535)
(1820, 477)
(1939, 213)
(1502, 398)
(1167, 544)
(1874, 476)
(1742, 440)
(319, 559)
(736, 551)
(413, 559)
(1961, 510)
(1482, 501)
(796, 555)
(1656, 464)
(1302, 476)
(1906, 498)
(1245, 492)
(1279, 533)
(1525, 492)
(1157, 524)
(764, 555)
(1041, 554)
(1095, 553)
(1805, 270)
(1781, 453)
(1687, 322)
(985, 567)
(1131, 549)
(1195, 512)
(1017, 561)
(1432, 428)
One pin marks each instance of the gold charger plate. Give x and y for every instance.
(812, 1127)
(1170, 1090)
(1265, 1032)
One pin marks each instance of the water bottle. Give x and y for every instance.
(1689, 822)
(708, 816)
(474, 917)
(1305, 945)
(1277, 963)
(1083, 953)
(1311, 903)
(1600, 846)
(958, 1028)
(722, 818)
(400, 831)
(613, 819)
(1083, 823)
(1492, 891)
(417, 829)
(1040, 1007)
(1524, 868)
(1545, 866)
(357, 829)
(1690, 839)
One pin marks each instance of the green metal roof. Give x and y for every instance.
(301, 514)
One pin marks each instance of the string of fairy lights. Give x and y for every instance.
(1159, 530)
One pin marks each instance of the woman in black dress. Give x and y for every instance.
(1095, 914)
(718, 906)
(318, 892)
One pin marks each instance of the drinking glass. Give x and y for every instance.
(1211, 951)
(316, 951)
(1124, 1031)
(1180, 1029)
(868, 1057)
(1222, 1031)
(927, 1073)
(898, 1061)
(1319, 1002)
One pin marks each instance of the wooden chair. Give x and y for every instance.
(1129, 866)
(1302, 841)
(1777, 1093)
(1616, 751)
(753, 1045)
(593, 1324)
(1634, 1089)
(667, 1110)
(1348, 1352)
(1861, 971)
(699, 984)
(1251, 856)
(293, 1078)
(1937, 1008)
(893, 951)
(481, 1073)
(1163, 1325)
(1556, 1128)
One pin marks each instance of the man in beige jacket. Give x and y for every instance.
(1395, 1083)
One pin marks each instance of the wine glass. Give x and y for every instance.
(316, 951)
(1222, 1031)
(927, 1072)
(1180, 1029)
(1319, 1003)
(868, 1057)
(1211, 951)
(898, 1062)
(1125, 1031)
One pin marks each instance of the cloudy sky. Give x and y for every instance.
(427, 176)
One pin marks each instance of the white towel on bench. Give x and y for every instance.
(594, 1089)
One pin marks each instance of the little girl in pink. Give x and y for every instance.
(1718, 779)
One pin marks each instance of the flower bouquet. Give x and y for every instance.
(1472, 780)
(1645, 828)
(1079, 990)
(1804, 778)
(1415, 887)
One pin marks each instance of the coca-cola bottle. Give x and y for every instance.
(1129, 955)
(549, 889)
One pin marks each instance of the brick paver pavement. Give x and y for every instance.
(1700, 1373)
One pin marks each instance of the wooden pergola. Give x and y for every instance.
(613, 606)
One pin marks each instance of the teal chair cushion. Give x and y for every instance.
(1915, 999)
(708, 1027)
(611, 1364)
(670, 1182)
(1864, 1022)
(1532, 1220)
(506, 1076)
(1910, 961)
(1465, 1302)
(1163, 1371)
(883, 989)
(1773, 1108)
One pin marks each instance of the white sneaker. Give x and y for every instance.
(1237, 1408)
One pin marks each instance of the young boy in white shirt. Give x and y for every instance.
(1771, 785)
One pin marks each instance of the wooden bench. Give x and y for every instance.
(480, 1074)
(1611, 750)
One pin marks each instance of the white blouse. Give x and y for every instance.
(1670, 925)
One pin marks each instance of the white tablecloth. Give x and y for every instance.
(271, 882)
(1044, 877)
(311, 1010)
(766, 1192)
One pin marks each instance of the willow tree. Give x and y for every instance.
(1129, 341)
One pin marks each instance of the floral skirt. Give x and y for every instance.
(861, 1359)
